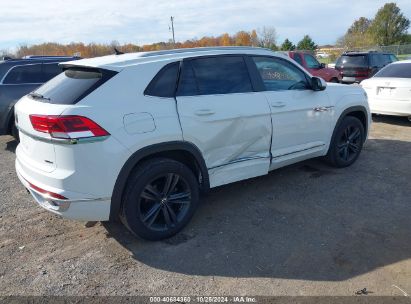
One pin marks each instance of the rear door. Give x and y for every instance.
(222, 115)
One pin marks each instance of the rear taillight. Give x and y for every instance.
(67, 127)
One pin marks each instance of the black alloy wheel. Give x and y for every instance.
(160, 199)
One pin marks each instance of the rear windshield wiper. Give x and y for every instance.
(35, 95)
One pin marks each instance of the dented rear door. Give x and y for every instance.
(232, 130)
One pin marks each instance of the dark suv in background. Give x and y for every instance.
(19, 77)
(357, 66)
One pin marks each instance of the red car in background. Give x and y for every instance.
(311, 64)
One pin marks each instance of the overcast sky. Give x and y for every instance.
(142, 22)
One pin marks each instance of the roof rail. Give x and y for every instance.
(46, 57)
(200, 49)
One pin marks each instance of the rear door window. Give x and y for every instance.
(298, 58)
(214, 75)
(72, 85)
(164, 83)
(50, 70)
(30, 73)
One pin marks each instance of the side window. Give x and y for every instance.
(312, 63)
(299, 59)
(164, 83)
(50, 70)
(278, 74)
(214, 75)
(24, 74)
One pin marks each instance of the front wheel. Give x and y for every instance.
(160, 199)
(347, 142)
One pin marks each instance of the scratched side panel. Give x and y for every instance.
(228, 129)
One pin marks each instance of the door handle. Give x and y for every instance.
(204, 112)
(277, 104)
(322, 109)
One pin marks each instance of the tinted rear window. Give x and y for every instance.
(398, 70)
(351, 61)
(73, 84)
(24, 74)
(215, 75)
(164, 83)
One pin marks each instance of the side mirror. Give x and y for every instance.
(322, 65)
(318, 84)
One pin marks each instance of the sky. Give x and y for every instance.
(145, 22)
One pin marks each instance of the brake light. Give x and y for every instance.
(67, 127)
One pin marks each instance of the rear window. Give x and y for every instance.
(72, 85)
(351, 61)
(398, 70)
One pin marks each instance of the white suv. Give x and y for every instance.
(138, 136)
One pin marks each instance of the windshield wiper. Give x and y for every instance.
(35, 95)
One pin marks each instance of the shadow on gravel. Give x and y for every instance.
(395, 120)
(12, 145)
(307, 221)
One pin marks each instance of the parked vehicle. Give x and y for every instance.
(389, 91)
(19, 77)
(312, 65)
(354, 67)
(322, 55)
(137, 136)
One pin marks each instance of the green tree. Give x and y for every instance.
(358, 35)
(287, 45)
(389, 25)
(306, 44)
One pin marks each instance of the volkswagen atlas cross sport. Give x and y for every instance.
(138, 137)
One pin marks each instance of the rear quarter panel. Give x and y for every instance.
(110, 106)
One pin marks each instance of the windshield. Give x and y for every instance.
(351, 61)
(72, 85)
(398, 70)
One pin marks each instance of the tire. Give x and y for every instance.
(334, 80)
(160, 198)
(346, 143)
(14, 131)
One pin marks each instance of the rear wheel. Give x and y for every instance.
(335, 80)
(347, 142)
(160, 199)
(14, 131)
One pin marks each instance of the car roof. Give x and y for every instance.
(118, 62)
(7, 64)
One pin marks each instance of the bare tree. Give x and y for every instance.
(267, 37)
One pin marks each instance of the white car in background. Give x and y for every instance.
(389, 90)
(137, 136)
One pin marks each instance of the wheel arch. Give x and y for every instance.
(359, 112)
(181, 151)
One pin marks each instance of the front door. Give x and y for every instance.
(301, 117)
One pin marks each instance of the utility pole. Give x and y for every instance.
(172, 29)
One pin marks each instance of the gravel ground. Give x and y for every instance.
(307, 229)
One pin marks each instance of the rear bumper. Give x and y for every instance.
(353, 79)
(390, 107)
(76, 207)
